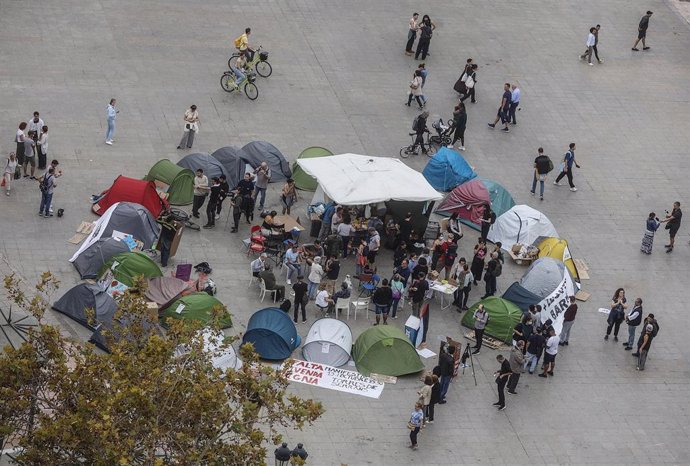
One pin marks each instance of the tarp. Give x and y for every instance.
(262, 151)
(223, 357)
(329, 341)
(503, 317)
(234, 161)
(85, 296)
(447, 169)
(521, 297)
(130, 190)
(130, 265)
(521, 224)
(302, 180)
(557, 248)
(352, 179)
(209, 164)
(91, 260)
(385, 350)
(272, 333)
(180, 181)
(196, 306)
(164, 290)
(125, 217)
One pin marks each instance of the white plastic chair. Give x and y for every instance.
(263, 291)
(342, 305)
(359, 304)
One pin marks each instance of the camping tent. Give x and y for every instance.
(180, 181)
(521, 224)
(550, 280)
(118, 327)
(447, 169)
(223, 357)
(209, 164)
(234, 163)
(124, 217)
(503, 317)
(329, 341)
(262, 151)
(386, 350)
(470, 198)
(302, 180)
(352, 179)
(85, 296)
(272, 333)
(521, 297)
(164, 290)
(557, 248)
(130, 190)
(90, 261)
(130, 265)
(196, 306)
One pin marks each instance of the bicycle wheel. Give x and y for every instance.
(405, 152)
(232, 58)
(227, 82)
(251, 90)
(264, 69)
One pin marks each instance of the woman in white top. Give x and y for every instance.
(416, 90)
(315, 276)
(21, 137)
(323, 300)
(8, 174)
(191, 126)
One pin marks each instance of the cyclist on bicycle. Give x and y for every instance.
(239, 67)
(242, 44)
(419, 127)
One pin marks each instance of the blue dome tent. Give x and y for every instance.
(272, 333)
(447, 169)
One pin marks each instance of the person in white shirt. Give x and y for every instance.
(111, 113)
(35, 129)
(315, 275)
(259, 264)
(201, 190)
(323, 300)
(515, 95)
(239, 68)
(550, 353)
(191, 126)
(8, 173)
(591, 40)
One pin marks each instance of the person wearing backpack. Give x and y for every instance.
(419, 127)
(542, 166)
(242, 44)
(47, 185)
(567, 167)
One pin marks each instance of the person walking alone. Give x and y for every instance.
(591, 40)
(481, 318)
(191, 127)
(502, 376)
(416, 90)
(411, 34)
(415, 424)
(672, 221)
(642, 32)
(568, 321)
(567, 167)
(471, 88)
(633, 319)
(111, 114)
(542, 166)
(459, 124)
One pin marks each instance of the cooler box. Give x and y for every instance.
(412, 329)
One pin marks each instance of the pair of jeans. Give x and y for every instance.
(211, 213)
(411, 36)
(565, 331)
(187, 139)
(541, 179)
(430, 411)
(394, 307)
(260, 195)
(569, 174)
(381, 309)
(197, 202)
(642, 359)
(46, 200)
(513, 380)
(631, 335)
(292, 268)
(445, 384)
(531, 361)
(615, 326)
(478, 336)
(465, 295)
(470, 93)
(419, 100)
(413, 436)
(239, 75)
(588, 54)
(346, 243)
(511, 112)
(490, 287)
(502, 381)
(311, 289)
(459, 134)
(111, 130)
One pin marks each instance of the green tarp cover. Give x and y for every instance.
(130, 265)
(196, 306)
(385, 350)
(302, 180)
(503, 317)
(180, 180)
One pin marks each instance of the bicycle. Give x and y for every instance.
(426, 146)
(184, 218)
(227, 82)
(259, 62)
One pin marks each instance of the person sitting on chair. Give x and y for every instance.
(259, 264)
(269, 279)
(343, 293)
(323, 300)
(271, 228)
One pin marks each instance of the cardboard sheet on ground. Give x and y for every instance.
(291, 224)
(334, 378)
(426, 353)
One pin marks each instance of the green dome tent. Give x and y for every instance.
(302, 180)
(196, 306)
(130, 265)
(385, 350)
(503, 317)
(180, 180)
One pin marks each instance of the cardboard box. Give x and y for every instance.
(516, 248)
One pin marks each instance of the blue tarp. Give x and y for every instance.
(272, 333)
(521, 296)
(447, 169)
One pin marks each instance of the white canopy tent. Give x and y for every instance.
(351, 179)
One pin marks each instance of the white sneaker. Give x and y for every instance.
(462, 147)
(217, 216)
(573, 189)
(591, 64)
(110, 143)
(288, 281)
(555, 183)
(449, 146)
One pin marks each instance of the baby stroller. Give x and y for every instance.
(444, 132)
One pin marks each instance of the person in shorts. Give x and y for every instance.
(550, 353)
(672, 221)
(642, 32)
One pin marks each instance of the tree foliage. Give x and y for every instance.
(65, 402)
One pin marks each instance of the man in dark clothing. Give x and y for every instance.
(213, 201)
(490, 276)
(502, 376)
(300, 289)
(649, 320)
(503, 109)
(235, 202)
(568, 321)
(567, 170)
(245, 189)
(447, 363)
(673, 224)
(634, 319)
(488, 219)
(406, 228)
(542, 167)
(419, 127)
(535, 346)
(269, 279)
(224, 191)
(645, 344)
(417, 291)
(642, 32)
(516, 361)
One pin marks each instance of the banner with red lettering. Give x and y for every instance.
(334, 378)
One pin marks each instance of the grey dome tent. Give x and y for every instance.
(209, 164)
(234, 161)
(329, 341)
(90, 261)
(262, 151)
(87, 296)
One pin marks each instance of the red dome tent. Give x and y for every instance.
(131, 190)
(469, 200)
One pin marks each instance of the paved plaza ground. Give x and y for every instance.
(339, 81)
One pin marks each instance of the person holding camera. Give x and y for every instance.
(672, 221)
(617, 314)
(263, 177)
(191, 126)
(648, 237)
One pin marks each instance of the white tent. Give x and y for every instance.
(352, 179)
(329, 342)
(521, 224)
(222, 357)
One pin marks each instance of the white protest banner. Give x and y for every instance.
(334, 378)
(555, 304)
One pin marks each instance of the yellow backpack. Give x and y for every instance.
(238, 42)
